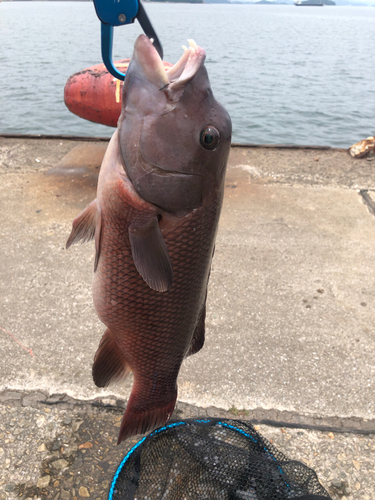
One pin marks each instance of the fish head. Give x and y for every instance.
(174, 136)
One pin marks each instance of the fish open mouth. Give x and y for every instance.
(175, 77)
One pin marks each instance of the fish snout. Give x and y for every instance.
(175, 77)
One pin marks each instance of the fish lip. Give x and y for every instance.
(194, 61)
(175, 77)
(147, 57)
(166, 173)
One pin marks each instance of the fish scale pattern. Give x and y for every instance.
(153, 330)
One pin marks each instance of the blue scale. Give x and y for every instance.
(118, 13)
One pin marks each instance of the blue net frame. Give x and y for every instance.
(193, 459)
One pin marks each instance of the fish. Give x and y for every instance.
(154, 222)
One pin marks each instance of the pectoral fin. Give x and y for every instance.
(87, 226)
(150, 255)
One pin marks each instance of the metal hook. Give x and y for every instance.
(107, 45)
(117, 14)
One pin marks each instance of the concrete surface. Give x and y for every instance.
(290, 307)
(290, 320)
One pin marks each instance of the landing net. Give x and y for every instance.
(211, 459)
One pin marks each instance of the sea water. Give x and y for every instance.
(286, 74)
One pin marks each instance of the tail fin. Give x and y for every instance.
(139, 421)
(109, 362)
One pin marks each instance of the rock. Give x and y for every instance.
(78, 462)
(60, 464)
(363, 148)
(43, 482)
(33, 399)
(357, 465)
(56, 445)
(70, 450)
(65, 495)
(77, 425)
(42, 447)
(83, 492)
(108, 401)
(8, 396)
(85, 446)
(40, 421)
(10, 487)
(339, 488)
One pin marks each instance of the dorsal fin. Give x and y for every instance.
(198, 337)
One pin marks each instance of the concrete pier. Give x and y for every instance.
(290, 338)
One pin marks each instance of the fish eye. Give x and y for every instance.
(210, 137)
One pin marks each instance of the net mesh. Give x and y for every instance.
(219, 459)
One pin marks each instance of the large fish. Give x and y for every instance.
(154, 223)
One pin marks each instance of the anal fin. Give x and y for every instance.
(150, 255)
(109, 362)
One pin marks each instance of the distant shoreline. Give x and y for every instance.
(218, 2)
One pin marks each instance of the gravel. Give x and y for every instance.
(66, 449)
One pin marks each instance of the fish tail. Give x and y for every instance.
(109, 362)
(139, 421)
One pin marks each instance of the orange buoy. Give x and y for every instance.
(95, 95)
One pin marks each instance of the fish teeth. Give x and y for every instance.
(151, 40)
(192, 43)
(185, 48)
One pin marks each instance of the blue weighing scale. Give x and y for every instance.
(118, 13)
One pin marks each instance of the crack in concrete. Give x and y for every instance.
(261, 416)
(367, 200)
